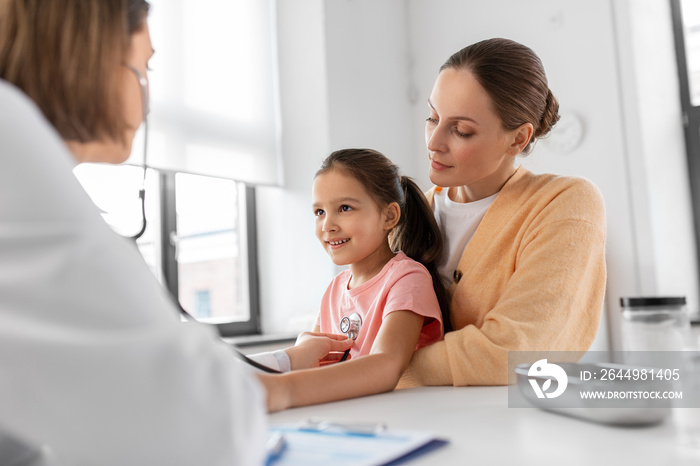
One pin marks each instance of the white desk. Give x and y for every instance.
(482, 430)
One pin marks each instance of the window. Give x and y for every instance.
(208, 243)
(213, 87)
(202, 309)
(199, 240)
(686, 26)
(213, 135)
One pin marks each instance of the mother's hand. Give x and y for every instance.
(314, 349)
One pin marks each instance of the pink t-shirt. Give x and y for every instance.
(402, 285)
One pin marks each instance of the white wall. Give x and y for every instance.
(367, 58)
(293, 270)
(359, 72)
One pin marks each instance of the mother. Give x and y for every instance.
(525, 262)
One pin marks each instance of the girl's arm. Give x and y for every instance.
(375, 373)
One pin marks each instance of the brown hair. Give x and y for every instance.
(417, 234)
(65, 55)
(514, 78)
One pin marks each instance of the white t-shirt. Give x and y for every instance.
(95, 365)
(458, 222)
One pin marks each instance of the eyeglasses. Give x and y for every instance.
(145, 99)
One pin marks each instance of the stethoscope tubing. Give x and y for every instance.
(236, 352)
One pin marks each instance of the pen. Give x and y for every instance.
(275, 447)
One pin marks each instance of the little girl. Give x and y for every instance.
(390, 300)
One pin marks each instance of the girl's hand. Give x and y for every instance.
(314, 349)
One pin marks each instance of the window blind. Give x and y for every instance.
(213, 90)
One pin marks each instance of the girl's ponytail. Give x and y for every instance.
(418, 236)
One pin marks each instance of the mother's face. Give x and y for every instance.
(467, 144)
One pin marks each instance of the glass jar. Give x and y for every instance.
(654, 323)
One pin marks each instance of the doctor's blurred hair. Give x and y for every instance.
(417, 233)
(66, 55)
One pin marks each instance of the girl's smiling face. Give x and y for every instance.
(351, 226)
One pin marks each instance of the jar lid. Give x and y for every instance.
(653, 301)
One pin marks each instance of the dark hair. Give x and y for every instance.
(417, 233)
(65, 55)
(513, 76)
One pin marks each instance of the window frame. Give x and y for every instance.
(168, 253)
(691, 118)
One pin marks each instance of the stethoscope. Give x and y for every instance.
(189, 317)
(143, 82)
(351, 326)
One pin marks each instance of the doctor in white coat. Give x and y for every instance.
(95, 367)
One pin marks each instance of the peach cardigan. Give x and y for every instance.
(531, 279)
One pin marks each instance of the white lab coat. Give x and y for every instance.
(94, 363)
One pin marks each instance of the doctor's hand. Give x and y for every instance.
(314, 349)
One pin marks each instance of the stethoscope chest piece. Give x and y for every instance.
(351, 325)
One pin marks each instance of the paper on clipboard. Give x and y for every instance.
(308, 448)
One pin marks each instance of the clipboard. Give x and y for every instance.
(322, 443)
